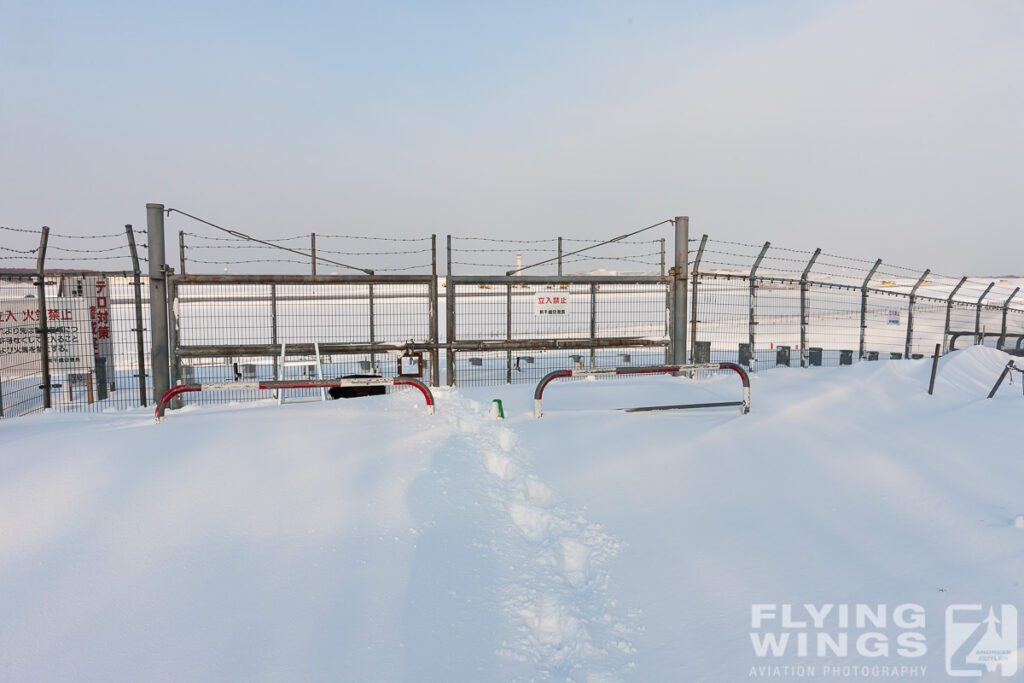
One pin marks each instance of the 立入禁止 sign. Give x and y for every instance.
(550, 305)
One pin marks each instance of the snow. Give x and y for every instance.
(363, 539)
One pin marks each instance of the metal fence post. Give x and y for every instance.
(559, 257)
(43, 329)
(910, 312)
(977, 315)
(312, 252)
(373, 331)
(140, 342)
(662, 270)
(173, 330)
(435, 371)
(864, 306)
(949, 312)
(449, 334)
(803, 308)
(508, 332)
(593, 324)
(181, 250)
(680, 280)
(753, 301)
(1006, 309)
(693, 293)
(157, 300)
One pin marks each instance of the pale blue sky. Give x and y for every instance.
(889, 129)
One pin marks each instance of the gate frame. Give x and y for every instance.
(538, 392)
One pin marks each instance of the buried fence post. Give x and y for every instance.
(1002, 376)
(935, 366)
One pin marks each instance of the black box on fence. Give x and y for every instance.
(845, 357)
(101, 378)
(872, 355)
(744, 355)
(782, 355)
(895, 355)
(814, 356)
(702, 352)
(917, 356)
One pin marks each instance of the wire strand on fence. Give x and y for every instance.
(241, 235)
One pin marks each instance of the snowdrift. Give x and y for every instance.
(364, 540)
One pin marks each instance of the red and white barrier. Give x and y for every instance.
(650, 370)
(295, 384)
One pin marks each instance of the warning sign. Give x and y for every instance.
(69, 330)
(550, 306)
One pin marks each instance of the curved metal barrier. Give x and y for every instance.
(296, 384)
(650, 370)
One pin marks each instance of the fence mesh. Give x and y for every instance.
(795, 306)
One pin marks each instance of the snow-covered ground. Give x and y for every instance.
(364, 540)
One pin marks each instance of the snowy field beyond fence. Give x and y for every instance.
(363, 540)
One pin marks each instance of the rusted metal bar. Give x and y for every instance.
(180, 389)
(270, 350)
(248, 279)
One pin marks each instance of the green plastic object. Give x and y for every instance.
(501, 410)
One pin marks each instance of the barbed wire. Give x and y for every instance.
(20, 251)
(395, 270)
(241, 235)
(232, 263)
(367, 237)
(503, 241)
(235, 239)
(122, 247)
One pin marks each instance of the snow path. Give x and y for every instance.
(559, 618)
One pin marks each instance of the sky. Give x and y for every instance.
(874, 129)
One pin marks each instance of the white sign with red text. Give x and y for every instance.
(550, 305)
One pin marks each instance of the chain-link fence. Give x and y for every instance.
(765, 306)
(489, 318)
